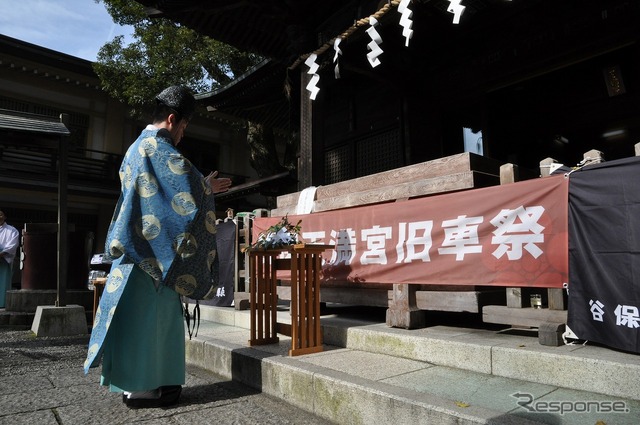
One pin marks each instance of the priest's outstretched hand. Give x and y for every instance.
(218, 185)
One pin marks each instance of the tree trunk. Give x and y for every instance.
(264, 157)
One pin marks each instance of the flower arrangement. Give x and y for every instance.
(280, 234)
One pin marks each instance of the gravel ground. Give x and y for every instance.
(42, 382)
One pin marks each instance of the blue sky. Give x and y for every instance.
(75, 27)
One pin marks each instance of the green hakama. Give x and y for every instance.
(144, 348)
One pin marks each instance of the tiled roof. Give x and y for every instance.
(275, 29)
(20, 121)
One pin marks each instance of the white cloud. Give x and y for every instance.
(75, 27)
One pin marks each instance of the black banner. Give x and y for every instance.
(226, 241)
(604, 253)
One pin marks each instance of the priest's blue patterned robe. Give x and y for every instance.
(164, 224)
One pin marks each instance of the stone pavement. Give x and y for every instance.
(444, 374)
(456, 371)
(42, 383)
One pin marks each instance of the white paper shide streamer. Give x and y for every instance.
(313, 70)
(456, 8)
(374, 44)
(405, 20)
(306, 200)
(336, 47)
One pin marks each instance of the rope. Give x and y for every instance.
(582, 164)
(348, 32)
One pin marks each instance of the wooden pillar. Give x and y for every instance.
(593, 157)
(305, 162)
(403, 311)
(508, 174)
(556, 298)
(545, 166)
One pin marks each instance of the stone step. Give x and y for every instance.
(369, 373)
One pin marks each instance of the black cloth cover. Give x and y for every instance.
(226, 241)
(604, 253)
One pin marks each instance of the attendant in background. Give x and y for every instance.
(9, 239)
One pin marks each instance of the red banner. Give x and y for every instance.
(510, 235)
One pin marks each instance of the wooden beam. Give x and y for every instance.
(527, 317)
(449, 165)
(450, 183)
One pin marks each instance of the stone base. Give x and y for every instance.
(60, 321)
(28, 300)
(406, 319)
(241, 301)
(551, 334)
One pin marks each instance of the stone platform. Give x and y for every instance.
(450, 372)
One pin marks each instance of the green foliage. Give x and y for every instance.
(279, 235)
(163, 53)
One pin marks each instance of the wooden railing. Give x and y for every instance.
(84, 165)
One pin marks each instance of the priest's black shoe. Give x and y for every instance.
(161, 397)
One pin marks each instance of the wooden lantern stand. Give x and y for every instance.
(305, 267)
